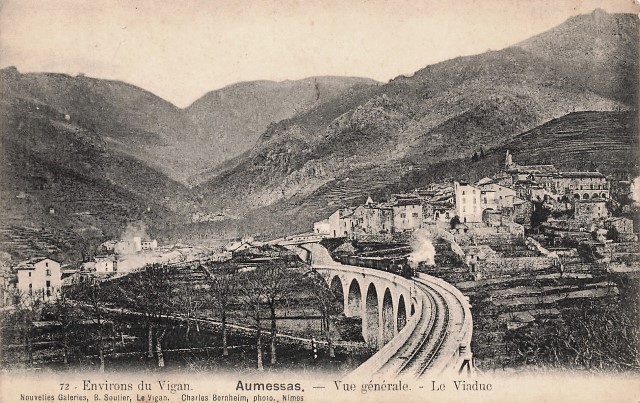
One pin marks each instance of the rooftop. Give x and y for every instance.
(407, 202)
(29, 263)
(532, 169)
(581, 174)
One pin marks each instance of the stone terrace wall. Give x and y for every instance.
(395, 237)
(513, 265)
(503, 238)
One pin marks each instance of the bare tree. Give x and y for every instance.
(328, 303)
(223, 287)
(274, 283)
(278, 284)
(252, 296)
(93, 294)
(150, 293)
(188, 305)
(28, 309)
(69, 316)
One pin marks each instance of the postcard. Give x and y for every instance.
(319, 201)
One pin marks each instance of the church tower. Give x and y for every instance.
(508, 161)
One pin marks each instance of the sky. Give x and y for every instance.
(179, 50)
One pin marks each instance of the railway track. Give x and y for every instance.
(426, 357)
(422, 351)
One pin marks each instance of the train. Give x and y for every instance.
(395, 265)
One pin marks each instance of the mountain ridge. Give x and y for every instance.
(296, 142)
(233, 117)
(444, 111)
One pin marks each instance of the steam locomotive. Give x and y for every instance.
(395, 265)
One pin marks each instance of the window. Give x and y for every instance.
(29, 274)
(48, 272)
(46, 264)
(463, 192)
(415, 215)
(402, 215)
(48, 283)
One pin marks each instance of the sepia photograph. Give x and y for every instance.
(319, 201)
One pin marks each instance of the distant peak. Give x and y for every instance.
(599, 16)
(598, 12)
(10, 69)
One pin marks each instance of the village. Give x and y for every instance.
(559, 212)
(540, 253)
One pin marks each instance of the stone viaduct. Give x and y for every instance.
(384, 301)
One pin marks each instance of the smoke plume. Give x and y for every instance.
(129, 255)
(422, 249)
(135, 229)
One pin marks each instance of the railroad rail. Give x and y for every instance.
(430, 343)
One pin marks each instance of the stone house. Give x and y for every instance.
(106, 264)
(590, 209)
(40, 277)
(621, 224)
(341, 223)
(492, 218)
(373, 218)
(238, 246)
(576, 185)
(407, 215)
(496, 196)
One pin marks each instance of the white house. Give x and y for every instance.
(341, 223)
(149, 244)
(496, 196)
(322, 227)
(468, 202)
(144, 244)
(40, 277)
(106, 264)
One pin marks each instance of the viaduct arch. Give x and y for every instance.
(381, 300)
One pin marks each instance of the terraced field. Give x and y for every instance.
(581, 140)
